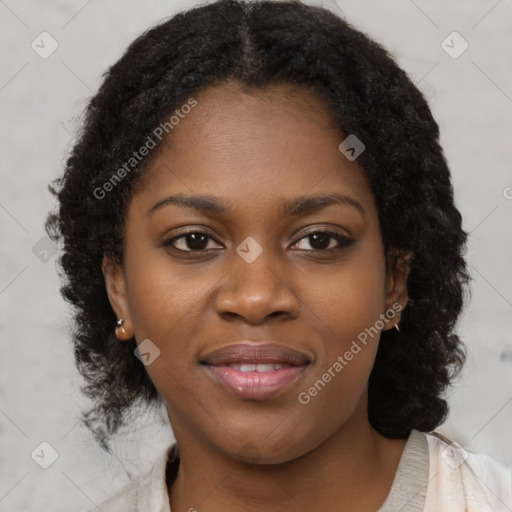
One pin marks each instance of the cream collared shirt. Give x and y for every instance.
(434, 475)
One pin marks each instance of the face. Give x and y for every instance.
(257, 297)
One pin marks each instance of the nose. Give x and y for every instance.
(257, 291)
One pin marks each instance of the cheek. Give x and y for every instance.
(168, 305)
(346, 305)
(349, 297)
(163, 296)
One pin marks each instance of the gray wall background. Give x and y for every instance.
(471, 97)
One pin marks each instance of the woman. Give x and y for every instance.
(260, 233)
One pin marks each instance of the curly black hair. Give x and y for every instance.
(259, 44)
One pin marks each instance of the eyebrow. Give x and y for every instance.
(293, 207)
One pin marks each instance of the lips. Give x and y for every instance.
(255, 371)
(256, 353)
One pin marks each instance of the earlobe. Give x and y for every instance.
(396, 283)
(116, 290)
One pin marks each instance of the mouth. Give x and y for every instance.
(255, 371)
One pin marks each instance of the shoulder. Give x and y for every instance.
(147, 492)
(123, 501)
(463, 480)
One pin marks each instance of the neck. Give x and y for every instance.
(354, 469)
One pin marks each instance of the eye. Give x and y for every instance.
(198, 241)
(322, 241)
(194, 240)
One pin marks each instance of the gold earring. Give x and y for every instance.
(120, 327)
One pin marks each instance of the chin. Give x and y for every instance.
(265, 451)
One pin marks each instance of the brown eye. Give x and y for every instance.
(189, 242)
(323, 240)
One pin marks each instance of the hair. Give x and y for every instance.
(259, 44)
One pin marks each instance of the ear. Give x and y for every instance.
(116, 290)
(396, 282)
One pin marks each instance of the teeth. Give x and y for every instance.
(265, 368)
(251, 367)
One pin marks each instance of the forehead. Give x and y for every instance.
(262, 103)
(259, 144)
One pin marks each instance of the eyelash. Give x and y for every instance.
(343, 241)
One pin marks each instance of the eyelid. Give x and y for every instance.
(168, 242)
(315, 228)
(343, 240)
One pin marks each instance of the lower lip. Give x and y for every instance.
(256, 385)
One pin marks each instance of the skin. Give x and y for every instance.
(254, 151)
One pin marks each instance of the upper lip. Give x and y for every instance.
(258, 353)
